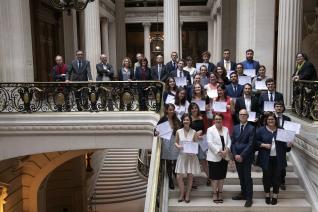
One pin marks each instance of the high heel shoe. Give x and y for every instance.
(215, 197)
(220, 197)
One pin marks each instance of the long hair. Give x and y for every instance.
(167, 84)
(183, 117)
(202, 91)
(179, 101)
(175, 121)
(128, 61)
(222, 86)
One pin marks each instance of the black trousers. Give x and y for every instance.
(282, 176)
(246, 182)
(271, 176)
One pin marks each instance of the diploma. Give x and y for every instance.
(250, 72)
(166, 136)
(190, 147)
(212, 93)
(170, 99)
(219, 106)
(260, 85)
(292, 126)
(269, 106)
(251, 116)
(181, 81)
(285, 135)
(242, 80)
(164, 130)
(198, 65)
(201, 104)
(203, 143)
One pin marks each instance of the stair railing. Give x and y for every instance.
(91, 206)
(143, 162)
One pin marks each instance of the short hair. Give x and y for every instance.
(281, 103)
(249, 84)
(233, 73)
(181, 60)
(269, 80)
(207, 53)
(302, 54)
(226, 50)
(262, 66)
(241, 64)
(270, 114)
(218, 114)
(249, 50)
(77, 51)
(174, 52)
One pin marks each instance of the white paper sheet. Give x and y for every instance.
(219, 106)
(260, 85)
(180, 81)
(285, 135)
(242, 80)
(269, 106)
(250, 72)
(201, 104)
(251, 116)
(204, 144)
(170, 99)
(190, 147)
(198, 65)
(164, 130)
(212, 93)
(292, 126)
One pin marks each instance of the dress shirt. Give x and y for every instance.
(79, 63)
(159, 71)
(180, 73)
(249, 65)
(227, 65)
(272, 93)
(279, 119)
(248, 102)
(273, 148)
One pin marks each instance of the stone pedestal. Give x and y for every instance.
(104, 34)
(171, 28)
(92, 35)
(147, 41)
(289, 43)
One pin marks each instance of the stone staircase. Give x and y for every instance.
(118, 180)
(292, 199)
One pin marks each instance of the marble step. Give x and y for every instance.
(121, 190)
(117, 168)
(205, 204)
(126, 182)
(120, 195)
(117, 179)
(119, 186)
(122, 199)
(103, 175)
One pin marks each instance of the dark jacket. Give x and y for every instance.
(138, 74)
(163, 73)
(109, 72)
(264, 97)
(307, 72)
(230, 92)
(120, 75)
(76, 74)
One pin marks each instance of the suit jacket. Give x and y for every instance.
(221, 63)
(254, 63)
(240, 104)
(120, 75)
(82, 74)
(170, 68)
(215, 143)
(109, 71)
(230, 92)
(284, 118)
(185, 74)
(307, 72)
(163, 73)
(264, 97)
(211, 68)
(264, 136)
(243, 142)
(138, 74)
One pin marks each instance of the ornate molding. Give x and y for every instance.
(307, 147)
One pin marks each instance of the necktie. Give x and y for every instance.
(181, 74)
(242, 128)
(271, 99)
(79, 65)
(159, 72)
(278, 119)
(174, 65)
(234, 88)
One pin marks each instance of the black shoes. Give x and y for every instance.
(283, 187)
(267, 200)
(248, 203)
(238, 197)
(274, 201)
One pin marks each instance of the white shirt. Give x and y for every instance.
(248, 102)
(227, 65)
(273, 148)
(179, 73)
(269, 95)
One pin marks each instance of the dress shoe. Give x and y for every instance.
(268, 200)
(283, 187)
(248, 203)
(274, 201)
(238, 197)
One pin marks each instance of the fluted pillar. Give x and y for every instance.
(289, 43)
(215, 34)
(81, 30)
(16, 59)
(147, 41)
(180, 44)
(120, 30)
(104, 34)
(210, 35)
(171, 27)
(92, 35)
(218, 52)
(70, 36)
(112, 48)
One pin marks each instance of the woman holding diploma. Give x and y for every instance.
(187, 163)
(169, 152)
(219, 143)
(170, 92)
(198, 96)
(180, 102)
(221, 76)
(271, 156)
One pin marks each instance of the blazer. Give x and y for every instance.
(215, 143)
(186, 74)
(170, 68)
(163, 73)
(264, 97)
(240, 104)
(307, 72)
(82, 74)
(120, 75)
(230, 92)
(58, 77)
(109, 71)
(243, 142)
(284, 118)
(264, 136)
(138, 75)
(221, 63)
(253, 62)
(211, 68)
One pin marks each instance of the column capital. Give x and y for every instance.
(103, 19)
(146, 24)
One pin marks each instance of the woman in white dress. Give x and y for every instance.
(187, 163)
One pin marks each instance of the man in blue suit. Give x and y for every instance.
(173, 64)
(234, 90)
(250, 63)
(242, 149)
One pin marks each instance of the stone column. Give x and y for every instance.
(81, 30)
(218, 52)
(210, 35)
(120, 31)
(104, 34)
(16, 57)
(289, 43)
(180, 45)
(112, 48)
(92, 35)
(147, 41)
(215, 34)
(70, 36)
(170, 27)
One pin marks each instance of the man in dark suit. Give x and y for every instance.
(79, 70)
(159, 71)
(250, 63)
(179, 72)
(305, 70)
(226, 62)
(206, 59)
(270, 95)
(242, 150)
(172, 65)
(248, 101)
(281, 118)
(105, 71)
(234, 89)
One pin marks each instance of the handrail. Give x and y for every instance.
(305, 99)
(143, 166)
(153, 179)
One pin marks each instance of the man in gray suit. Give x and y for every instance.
(79, 70)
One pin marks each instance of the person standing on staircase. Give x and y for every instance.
(242, 149)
